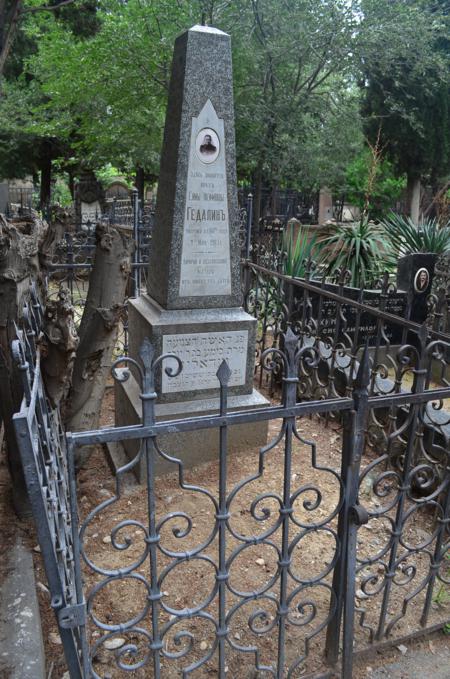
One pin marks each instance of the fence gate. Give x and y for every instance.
(251, 598)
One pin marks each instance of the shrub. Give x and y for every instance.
(405, 237)
(296, 255)
(359, 247)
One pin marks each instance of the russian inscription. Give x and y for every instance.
(205, 255)
(201, 354)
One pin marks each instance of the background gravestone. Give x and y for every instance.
(415, 274)
(89, 200)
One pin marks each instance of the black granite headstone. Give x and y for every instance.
(415, 275)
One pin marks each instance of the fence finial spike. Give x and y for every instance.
(147, 352)
(223, 373)
(290, 337)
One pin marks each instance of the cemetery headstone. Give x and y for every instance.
(117, 189)
(89, 201)
(325, 205)
(415, 274)
(192, 307)
(414, 284)
(351, 322)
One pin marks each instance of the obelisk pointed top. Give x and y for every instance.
(207, 29)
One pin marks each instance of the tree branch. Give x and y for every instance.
(12, 20)
(47, 8)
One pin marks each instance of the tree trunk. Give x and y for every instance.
(58, 347)
(19, 266)
(413, 192)
(46, 176)
(98, 330)
(10, 20)
(71, 183)
(257, 199)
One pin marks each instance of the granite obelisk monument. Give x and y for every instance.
(192, 305)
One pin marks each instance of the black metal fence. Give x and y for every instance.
(73, 257)
(374, 513)
(282, 204)
(45, 462)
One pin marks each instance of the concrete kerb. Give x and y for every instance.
(22, 650)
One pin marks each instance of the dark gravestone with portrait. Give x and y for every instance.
(354, 326)
(415, 276)
(192, 307)
(414, 281)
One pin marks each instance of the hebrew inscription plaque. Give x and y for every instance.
(201, 354)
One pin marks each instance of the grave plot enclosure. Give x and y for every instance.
(287, 562)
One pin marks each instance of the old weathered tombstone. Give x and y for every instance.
(325, 205)
(192, 307)
(89, 201)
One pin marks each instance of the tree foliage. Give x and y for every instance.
(95, 82)
(407, 91)
(384, 191)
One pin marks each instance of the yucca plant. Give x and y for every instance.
(360, 247)
(406, 237)
(296, 255)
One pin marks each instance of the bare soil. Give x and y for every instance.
(251, 570)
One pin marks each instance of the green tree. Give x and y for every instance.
(24, 148)
(406, 88)
(107, 95)
(293, 82)
(378, 196)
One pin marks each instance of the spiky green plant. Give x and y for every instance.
(406, 237)
(296, 255)
(360, 247)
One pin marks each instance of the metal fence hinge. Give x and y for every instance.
(72, 616)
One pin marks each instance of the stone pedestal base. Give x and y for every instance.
(201, 338)
(191, 447)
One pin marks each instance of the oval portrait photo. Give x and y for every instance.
(421, 280)
(207, 145)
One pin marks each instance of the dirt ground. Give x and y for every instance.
(191, 582)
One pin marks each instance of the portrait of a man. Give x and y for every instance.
(207, 145)
(421, 280)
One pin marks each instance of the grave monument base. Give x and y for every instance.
(201, 338)
(193, 447)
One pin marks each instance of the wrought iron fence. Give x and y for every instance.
(282, 204)
(383, 568)
(74, 254)
(43, 452)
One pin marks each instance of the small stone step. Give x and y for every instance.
(22, 649)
